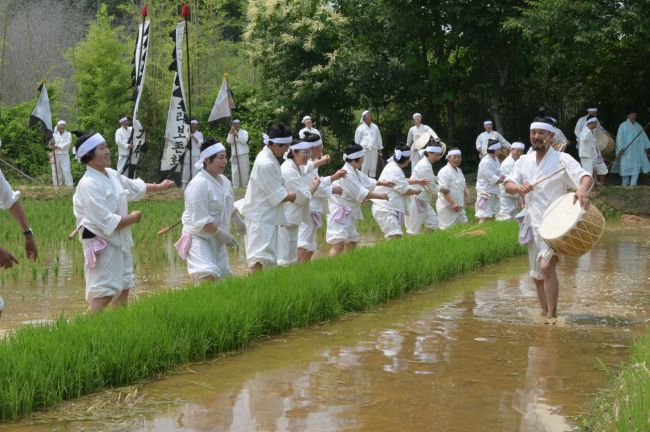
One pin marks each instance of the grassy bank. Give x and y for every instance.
(41, 366)
(624, 405)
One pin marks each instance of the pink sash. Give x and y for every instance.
(525, 230)
(341, 213)
(421, 205)
(183, 244)
(317, 219)
(482, 200)
(92, 248)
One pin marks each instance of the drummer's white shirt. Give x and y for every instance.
(589, 143)
(526, 170)
(489, 174)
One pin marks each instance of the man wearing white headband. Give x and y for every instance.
(453, 194)
(308, 122)
(390, 214)
(122, 136)
(510, 204)
(545, 161)
(262, 206)
(103, 218)
(632, 145)
(209, 210)
(238, 140)
(61, 143)
(580, 124)
(414, 133)
(420, 212)
(368, 136)
(192, 154)
(488, 179)
(10, 201)
(590, 158)
(489, 134)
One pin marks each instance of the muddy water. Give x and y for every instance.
(467, 355)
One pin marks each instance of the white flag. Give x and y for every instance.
(223, 106)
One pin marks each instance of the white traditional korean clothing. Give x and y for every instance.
(483, 139)
(122, 136)
(369, 138)
(508, 204)
(590, 157)
(298, 180)
(452, 179)
(312, 131)
(389, 214)
(420, 210)
(207, 200)
(318, 206)
(262, 209)
(196, 141)
(62, 143)
(526, 170)
(8, 198)
(239, 157)
(487, 187)
(580, 124)
(99, 203)
(414, 133)
(634, 159)
(345, 209)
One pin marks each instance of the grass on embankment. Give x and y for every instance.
(624, 405)
(41, 366)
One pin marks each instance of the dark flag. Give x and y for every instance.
(42, 114)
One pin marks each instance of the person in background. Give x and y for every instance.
(590, 157)
(488, 134)
(62, 141)
(309, 127)
(453, 194)
(192, 158)
(630, 151)
(414, 133)
(368, 136)
(238, 140)
(122, 137)
(488, 179)
(509, 204)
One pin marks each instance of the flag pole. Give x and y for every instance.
(56, 165)
(234, 135)
(185, 12)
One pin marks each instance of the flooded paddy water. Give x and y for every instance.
(470, 354)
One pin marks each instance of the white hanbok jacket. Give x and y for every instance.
(368, 137)
(589, 143)
(241, 143)
(485, 136)
(301, 134)
(453, 179)
(489, 174)
(7, 195)
(356, 187)
(506, 168)
(62, 142)
(319, 200)
(297, 180)
(208, 200)
(424, 170)
(122, 140)
(397, 199)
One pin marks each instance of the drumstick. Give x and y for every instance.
(74, 233)
(169, 228)
(548, 177)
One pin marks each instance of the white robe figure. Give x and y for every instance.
(345, 209)
(62, 143)
(318, 206)
(590, 157)
(634, 159)
(487, 187)
(207, 200)
(509, 204)
(312, 130)
(296, 179)
(188, 162)
(122, 136)
(526, 170)
(390, 213)
(580, 124)
(239, 158)
(420, 210)
(99, 203)
(414, 133)
(263, 210)
(369, 138)
(484, 137)
(452, 179)
(8, 198)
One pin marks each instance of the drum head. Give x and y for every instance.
(422, 142)
(601, 141)
(560, 217)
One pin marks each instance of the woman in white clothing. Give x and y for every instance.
(297, 178)
(488, 179)
(318, 203)
(345, 209)
(100, 206)
(209, 208)
(390, 214)
(453, 194)
(420, 210)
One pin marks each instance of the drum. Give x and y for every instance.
(605, 143)
(423, 141)
(560, 145)
(569, 229)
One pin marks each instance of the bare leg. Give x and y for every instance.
(256, 268)
(541, 296)
(480, 221)
(336, 249)
(350, 245)
(122, 299)
(304, 255)
(98, 304)
(601, 180)
(551, 285)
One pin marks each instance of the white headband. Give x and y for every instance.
(487, 122)
(592, 120)
(123, 119)
(399, 154)
(592, 109)
(363, 114)
(317, 143)
(355, 155)
(519, 145)
(302, 145)
(543, 126)
(433, 149)
(194, 122)
(305, 118)
(279, 140)
(455, 152)
(61, 123)
(495, 146)
(89, 145)
(417, 115)
(210, 151)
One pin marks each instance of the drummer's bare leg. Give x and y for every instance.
(551, 285)
(601, 180)
(541, 296)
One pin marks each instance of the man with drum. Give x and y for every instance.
(558, 171)
(414, 133)
(590, 157)
(583, 120)
(488, 134)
